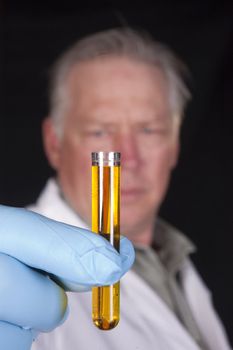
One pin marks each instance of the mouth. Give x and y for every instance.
(130, 193)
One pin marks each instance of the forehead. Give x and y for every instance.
(115, 70)
(116, 83)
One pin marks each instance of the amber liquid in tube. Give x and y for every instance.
(106, 222)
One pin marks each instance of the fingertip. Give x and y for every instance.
(104, 265)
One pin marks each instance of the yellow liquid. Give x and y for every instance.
(106, 222)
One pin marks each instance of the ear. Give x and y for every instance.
(175, 153)
(175, 141)
(51, 143)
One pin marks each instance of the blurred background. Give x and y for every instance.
(200, 198)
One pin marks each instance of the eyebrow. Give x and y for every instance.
(96, 120)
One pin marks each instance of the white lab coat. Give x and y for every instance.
(146, 322)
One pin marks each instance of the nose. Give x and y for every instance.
(126, 143)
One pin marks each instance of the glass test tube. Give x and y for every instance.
(106, 222)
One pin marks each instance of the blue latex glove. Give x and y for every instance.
(33, 247)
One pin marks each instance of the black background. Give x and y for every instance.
(199, 200)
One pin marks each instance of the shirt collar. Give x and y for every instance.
(173, 246)
(170, 245)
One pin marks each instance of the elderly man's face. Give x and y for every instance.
(116, 104)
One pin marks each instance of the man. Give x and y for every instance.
(120, 91)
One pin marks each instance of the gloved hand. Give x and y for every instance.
(36, 251)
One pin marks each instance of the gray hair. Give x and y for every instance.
(121, 42)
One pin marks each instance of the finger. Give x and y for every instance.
(127, 258)
(127, 255)
(28, 298)
(15, 338)
(70, 253)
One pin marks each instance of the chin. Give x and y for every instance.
(130, 227)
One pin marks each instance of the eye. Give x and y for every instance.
(149, 130)
(153, 130)
(98, 132)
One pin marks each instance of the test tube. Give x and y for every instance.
(106, 222)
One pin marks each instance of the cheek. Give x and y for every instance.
(160, 165)
(75, 165)
(75, 180)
